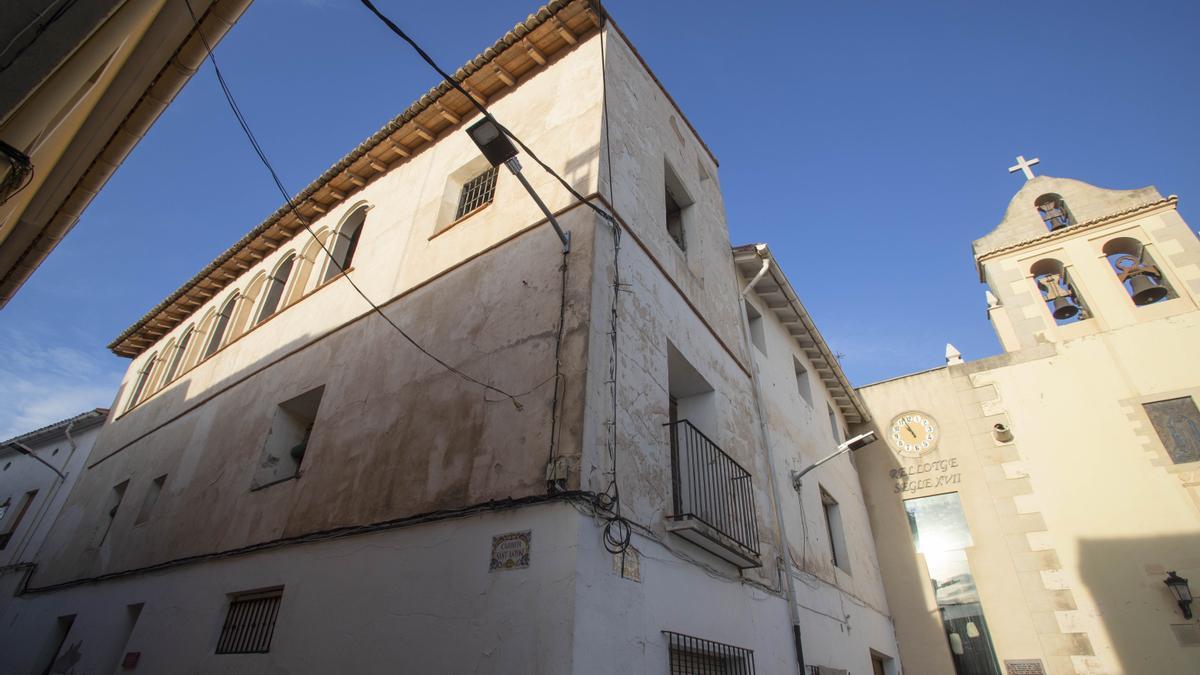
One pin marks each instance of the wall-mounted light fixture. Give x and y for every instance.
(1183, 594)
(498, 149)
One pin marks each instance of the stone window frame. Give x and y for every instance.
(1153, 446)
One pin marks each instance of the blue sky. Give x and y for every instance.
(868, 143)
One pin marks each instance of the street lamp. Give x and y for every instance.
(26, 450)
(1179, 588)
(851, 445)
(498, 149)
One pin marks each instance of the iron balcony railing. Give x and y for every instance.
(710, 486)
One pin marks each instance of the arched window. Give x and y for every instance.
(1063, 300)
(344, 243)
(177, 356)
(139, 386)
(222, 323)
(158, 377)
(275, 286)
(246, 307)
(306, 275)
(1137, 271)
(1053, 211)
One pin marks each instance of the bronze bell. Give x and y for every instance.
(1063, 309)
(1146, 290)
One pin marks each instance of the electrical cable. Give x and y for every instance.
(304, 221)
(58, 14)
(617, 531)
(483, 110)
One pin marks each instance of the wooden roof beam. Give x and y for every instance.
(564, 32)
(379, 167)
(447, 114)
(356, 179)
(479, 98)
(534, 52)
(399, 149)
(422, 132)
(505, 76)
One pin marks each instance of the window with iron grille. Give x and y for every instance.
(476, 192)
(694, 656)
(250, 623)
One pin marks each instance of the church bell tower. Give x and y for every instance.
(1070, 260)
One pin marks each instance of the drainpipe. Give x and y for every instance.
(784, 546)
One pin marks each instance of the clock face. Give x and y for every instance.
(914, 433)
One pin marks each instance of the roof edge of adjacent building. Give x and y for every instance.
(850, 404)
(83, 420)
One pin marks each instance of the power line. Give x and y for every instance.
(262, 156)
(484, 111)
(617, 530)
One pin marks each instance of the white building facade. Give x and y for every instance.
(288, 484)
(37, 471)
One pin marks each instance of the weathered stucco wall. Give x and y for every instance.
(395, 434)
(20, 474)
(417, 599)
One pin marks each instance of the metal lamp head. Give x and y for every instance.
(492, 141)
(1183, 594)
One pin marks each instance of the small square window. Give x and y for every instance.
(250, 623)
(695, 656)
(476, 192)
(287, 440)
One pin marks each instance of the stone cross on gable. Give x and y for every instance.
(1023, 165)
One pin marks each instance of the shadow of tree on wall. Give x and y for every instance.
(1125, 579)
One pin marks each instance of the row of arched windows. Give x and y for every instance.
(291, 279)
(1128, 259)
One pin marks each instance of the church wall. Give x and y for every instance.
(395, 434)
(1074, 522)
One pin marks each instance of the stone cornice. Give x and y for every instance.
(1140, 210)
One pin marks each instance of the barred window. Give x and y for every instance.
(476, 192)
(250, 623)
(694, 656)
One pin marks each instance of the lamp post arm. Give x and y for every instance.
(797, 475)
(855, 443)
(26, 450)
(514, 166)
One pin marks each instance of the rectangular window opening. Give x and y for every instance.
(695, 656)
(677, 203)
(11, 528)
(250, 623)
(833, 424)
(54, 645)
(803, 383)
(114, 504)
(755, 320)
(834, 529)
(1177, 423)
(152, 493)
(287, 441)
(476, 192)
